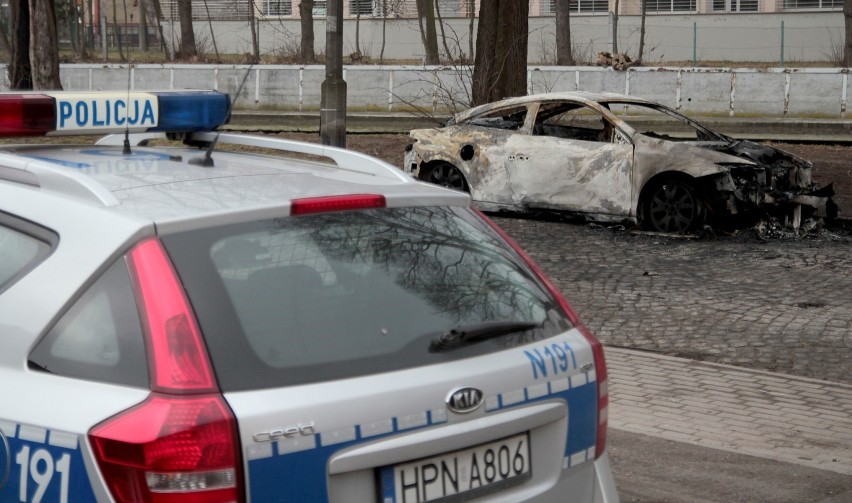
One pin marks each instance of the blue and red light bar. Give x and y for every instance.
(99, 112)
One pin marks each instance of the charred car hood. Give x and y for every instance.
(763, 155)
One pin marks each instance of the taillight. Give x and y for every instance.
(597, 347)
(181, 444)
(170, 449)
(336, 203)
(176, 354)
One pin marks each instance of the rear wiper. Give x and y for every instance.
(465, 334)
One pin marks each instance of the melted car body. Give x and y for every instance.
(610, 158)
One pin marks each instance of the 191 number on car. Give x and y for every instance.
(39, 466)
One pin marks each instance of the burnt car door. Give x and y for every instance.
(573, 159)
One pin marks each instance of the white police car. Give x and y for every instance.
(185, 324)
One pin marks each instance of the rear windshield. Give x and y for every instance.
(311, 298)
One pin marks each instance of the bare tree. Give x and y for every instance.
(306, 17)
(564, 51)
(447, 50)
(387, 8)
(187, 34)
(67, 19)
(357, 5)
(644, 7)
(847, 48)
(44, 45)
(615, 28)
(255, 40)
(152, 12)
(212, 35)
(501, 50)
(4, 41)
(20, 70)
(471, 15)
(428, 33)
(116, 30)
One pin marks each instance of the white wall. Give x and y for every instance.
(743, 92)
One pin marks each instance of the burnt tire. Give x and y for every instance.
(672, 205)
(445, 175)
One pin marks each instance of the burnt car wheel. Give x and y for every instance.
(446, 175)
(672, 205)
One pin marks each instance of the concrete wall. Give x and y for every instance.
(806, 36)
(743, 92)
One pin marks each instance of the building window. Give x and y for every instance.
(671, 5)
(362, 7)
(589, 6)
(219, 10)
(278, 7)
(735, 5)
(577, 6)
(813, 4)
(320, 8)
(452, 8)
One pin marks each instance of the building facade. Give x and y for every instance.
(239, 9)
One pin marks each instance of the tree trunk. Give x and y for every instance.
(4, 37)
(357, 29)
(428, 34)
(152, 13)
(89, 36)
(447, 50)
(143, 28)
(471, 14)
(384, 30)
(642, 34)
(615, 28)
(70, 19)
(44, 46)
(4, 42)
(847, 48)
(564, 52)
(501, 50)
(255, 37)
(20, 70)
(187, 34)
(116, 30)
(306, 16)
(212, 35)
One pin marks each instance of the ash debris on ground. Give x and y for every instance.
(811, 229)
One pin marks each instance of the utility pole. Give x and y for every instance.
(333, 104)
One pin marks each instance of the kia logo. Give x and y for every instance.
(464, 400)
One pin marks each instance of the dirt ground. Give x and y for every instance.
(832, 163)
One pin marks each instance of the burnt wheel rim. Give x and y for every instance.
(673, 208)
(449, 176)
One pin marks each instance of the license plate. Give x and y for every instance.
(482, 469)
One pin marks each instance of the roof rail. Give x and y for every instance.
(48, 176)
(347, 160)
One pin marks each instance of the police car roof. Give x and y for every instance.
(172, 185)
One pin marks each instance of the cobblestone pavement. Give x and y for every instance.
(735, 344)
(781, 305)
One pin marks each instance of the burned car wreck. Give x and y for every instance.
(612, 158)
